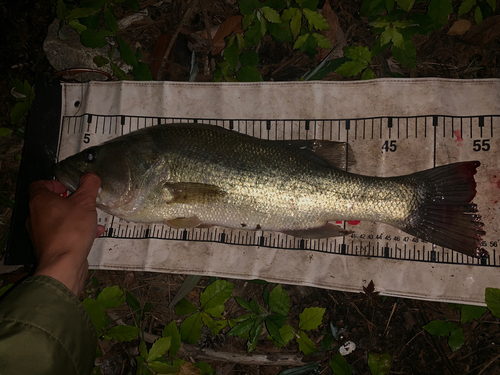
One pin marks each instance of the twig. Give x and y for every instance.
(172, 41)
(438, 347)
(488, 364)
(207, 24)
(408, 343)
(390, 317)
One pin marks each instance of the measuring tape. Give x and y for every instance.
(383, 146)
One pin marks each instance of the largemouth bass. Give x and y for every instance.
(191, 175)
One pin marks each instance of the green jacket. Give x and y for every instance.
(44, 329)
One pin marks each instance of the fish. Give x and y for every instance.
(197, 175)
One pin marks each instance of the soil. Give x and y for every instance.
(376, 324)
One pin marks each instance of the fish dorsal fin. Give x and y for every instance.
(328, 153)
(193, 193)
(324, 231)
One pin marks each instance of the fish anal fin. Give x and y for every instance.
(184, 222)
(193, 192)
(324, 231)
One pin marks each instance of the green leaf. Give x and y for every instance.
(111, 297)
(397, 39)
(242, 302)
(19, 111)
(61, 10)
(134, 4)
(247, 20)
(492, 299)
(159, 348)
(287, 334)
(358, 53)
(439, 11)
(143, 350)
(126, 52)
(465, 7)
(368, 74)
(457, 339)
(322, 41)
(311, 318)
(96, 313)
(94, 39)
(272, 326)
(300, 41)
(110, 20)
(129, 297)
(306, 346)
(248, 74)
(351, 68)
(243, 327)
(271, 15)
(248, 6)
(163, 368)
(440, 328)
(210, 323)
(281, 31)
(119, 73)
(216, 294)
(478, 15)
(256, 308)
(289, 13)
(255, 334)
(142, 72)
(91, 22)
(171, 331)
(492, 4)
(389, 4)
(263, 26)
(469, 313)
(191, 329)
(279, 302)
(123, 333)
(79, 13)
(316, 19)
(5, 288)
(184, 307)
(339, 365)
(379, 364)
(310, 4)
(216, 312)
(275, 4)
(406, 5)
(253, 34)
(406, 57)
(230, 53)
(205, 368)
(309, 47)
(77, 26)
(249, 58)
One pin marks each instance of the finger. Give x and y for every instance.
(100, 231)
(40, 186)
(89, 187)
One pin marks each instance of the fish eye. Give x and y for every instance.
(90, 155)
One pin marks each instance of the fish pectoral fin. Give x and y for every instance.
(324, 231)
(184, 222)
(193, 192)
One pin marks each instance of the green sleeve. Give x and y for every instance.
(44, 329)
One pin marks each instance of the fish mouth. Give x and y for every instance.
(69, 177)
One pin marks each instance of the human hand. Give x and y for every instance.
(63, 230)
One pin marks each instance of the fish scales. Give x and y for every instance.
(189, 175)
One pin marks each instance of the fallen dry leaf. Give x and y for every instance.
(161, 46)
(460, 27)
(335, 34)
(232, 24)
(488, 31)
(189, 369)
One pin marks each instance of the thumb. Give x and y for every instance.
(89, 187)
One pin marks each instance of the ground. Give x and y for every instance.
(374, 323)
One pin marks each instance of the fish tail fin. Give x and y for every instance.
(447, 217)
